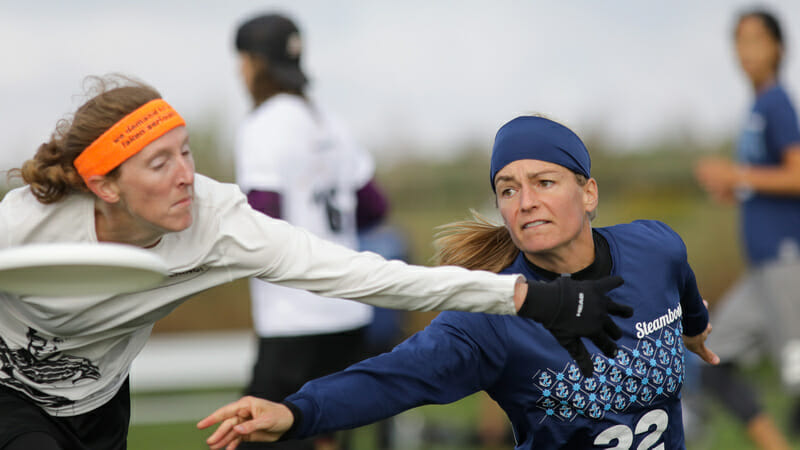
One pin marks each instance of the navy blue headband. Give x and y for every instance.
(530, 137)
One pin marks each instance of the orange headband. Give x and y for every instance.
(127, 138)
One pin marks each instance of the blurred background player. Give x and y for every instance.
(297, 163)
(762, 310)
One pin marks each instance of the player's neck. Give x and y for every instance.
(115, 225)
(762, 85)
(269, 91)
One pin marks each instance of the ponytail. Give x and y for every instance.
(50, 173)
(475, 244)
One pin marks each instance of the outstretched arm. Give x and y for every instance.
(457, 355)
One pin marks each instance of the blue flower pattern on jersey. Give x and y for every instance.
(641, 375)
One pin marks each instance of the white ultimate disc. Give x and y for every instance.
(78, 269)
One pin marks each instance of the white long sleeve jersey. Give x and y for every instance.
(71, 355)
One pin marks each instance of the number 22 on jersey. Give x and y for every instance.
(652, 425)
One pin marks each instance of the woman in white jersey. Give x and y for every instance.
(121, 170)
(288, 137)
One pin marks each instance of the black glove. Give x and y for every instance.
(572, 309)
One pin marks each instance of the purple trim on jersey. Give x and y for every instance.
(266, 202)
(371, 207)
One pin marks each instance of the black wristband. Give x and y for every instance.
(542, 302)
(298, 418)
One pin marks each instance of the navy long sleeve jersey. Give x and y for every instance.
(631, 401)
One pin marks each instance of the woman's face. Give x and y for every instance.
(156, 185)
(543, 206)
(758, 52)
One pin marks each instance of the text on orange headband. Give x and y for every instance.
(127, 138)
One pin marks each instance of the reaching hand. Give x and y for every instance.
(697, 344)
(572, 309)
(248, 419)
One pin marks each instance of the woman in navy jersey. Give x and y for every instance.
(540, 172)
(762, 310)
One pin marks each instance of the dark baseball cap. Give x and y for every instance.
(275, 38)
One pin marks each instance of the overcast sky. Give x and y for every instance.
(420, 74)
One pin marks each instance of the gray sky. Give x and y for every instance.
(424, 75)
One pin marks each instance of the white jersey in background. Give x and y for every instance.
(292, 148)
